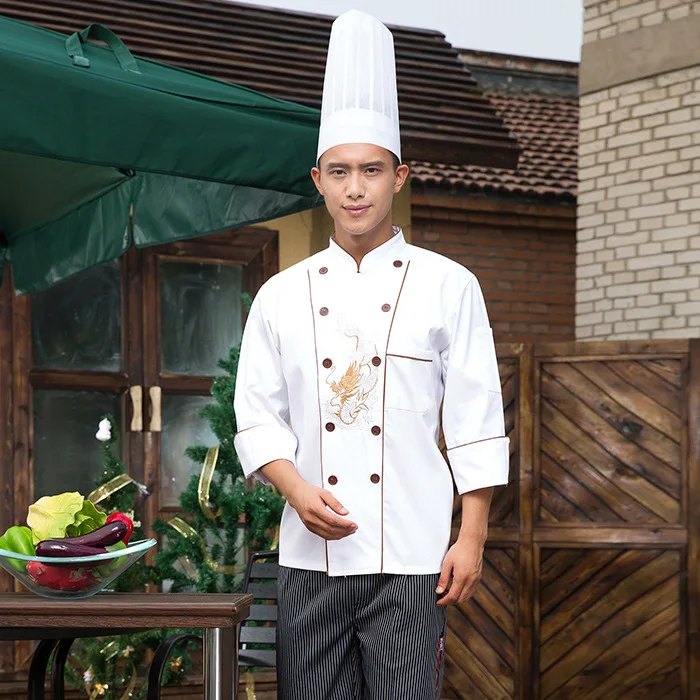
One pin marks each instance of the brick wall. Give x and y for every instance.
(638, 252)
(523, 256)
(607, 18)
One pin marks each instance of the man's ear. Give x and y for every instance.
(400, 177)
(316, 177)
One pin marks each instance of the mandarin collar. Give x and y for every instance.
(390, 252)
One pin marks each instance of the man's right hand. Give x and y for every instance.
(317, 509)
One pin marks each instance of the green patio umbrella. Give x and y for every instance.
(99, 150)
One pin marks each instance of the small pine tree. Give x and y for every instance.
(248, 515)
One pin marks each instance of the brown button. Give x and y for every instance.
(386, 307)
(332, 480)
(323, 311)
(376, 361)
(374, 478)
(323, 270)
(376, 430)
(328, 363)
(330, 427)
(397, 263)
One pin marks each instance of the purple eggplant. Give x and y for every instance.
(108, 534)
(63, 548)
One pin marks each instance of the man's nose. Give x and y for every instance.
(355, 186)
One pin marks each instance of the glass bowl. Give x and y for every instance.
(72, 577)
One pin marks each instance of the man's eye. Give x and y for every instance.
(372, 171)
(337, 172)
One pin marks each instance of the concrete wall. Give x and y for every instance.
(301, 235)
(638, 242)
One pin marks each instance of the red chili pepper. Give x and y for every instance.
(126, 520)
(60, 578)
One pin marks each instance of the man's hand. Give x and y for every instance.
(462, 564)
(310, 502)
(312, 505)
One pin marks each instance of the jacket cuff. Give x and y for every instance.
(480, 464)
(262, 444)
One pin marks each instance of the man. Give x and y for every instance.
(345, 361)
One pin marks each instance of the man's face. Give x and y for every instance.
(358, 182)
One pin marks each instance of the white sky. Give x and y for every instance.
(536, 28)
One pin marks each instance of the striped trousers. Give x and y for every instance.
(365, 637)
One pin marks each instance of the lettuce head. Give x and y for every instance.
(65, 515)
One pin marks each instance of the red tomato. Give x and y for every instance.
(60, 578)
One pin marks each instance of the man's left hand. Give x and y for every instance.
(461, 569)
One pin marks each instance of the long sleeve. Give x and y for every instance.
(472, 414)
(261, 401)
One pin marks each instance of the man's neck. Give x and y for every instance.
(358, 246)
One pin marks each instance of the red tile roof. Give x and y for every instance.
(444, 112)
(547, 130)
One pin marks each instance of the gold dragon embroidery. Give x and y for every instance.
(352, 392)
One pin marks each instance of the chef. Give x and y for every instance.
(350, 363)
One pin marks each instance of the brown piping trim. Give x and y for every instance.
(388, 337)
(318, 394)
(244, 429)
(408, 357)
(466, 444)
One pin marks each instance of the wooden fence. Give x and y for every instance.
(590, 581)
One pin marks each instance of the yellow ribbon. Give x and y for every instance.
(188, 566)
(189, 533)
(205, 482)
(110, 650)
(111, 487)
(250, 686)
(95, 690)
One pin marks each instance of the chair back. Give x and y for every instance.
(258, 634)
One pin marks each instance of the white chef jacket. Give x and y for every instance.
(343, 370)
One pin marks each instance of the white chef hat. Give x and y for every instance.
(360, 100)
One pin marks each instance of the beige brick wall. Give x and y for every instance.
(638, 244)
(605, 18)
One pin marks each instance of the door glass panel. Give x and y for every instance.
(182, 428)
(76, 325)
(201, 315)
(67, 455)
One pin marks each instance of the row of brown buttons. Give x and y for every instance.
(324, 309)
(328, 363)
(333, 480)
(324, 270)
(376, 430)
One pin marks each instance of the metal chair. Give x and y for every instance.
(258, 634)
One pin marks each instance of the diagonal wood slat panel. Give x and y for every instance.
(604, 485)
(592, 640)
(503, 505)
(650, 425)
(595, 461)
(610, 450)
(669, 370)
(480, 651)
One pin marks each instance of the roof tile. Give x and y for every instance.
(546, 128)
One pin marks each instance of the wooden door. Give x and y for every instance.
(194, 314)
(155, 320)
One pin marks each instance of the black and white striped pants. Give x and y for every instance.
(368, 637)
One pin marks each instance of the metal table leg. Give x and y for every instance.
(58, 669)
(221, 663)
(37, 670)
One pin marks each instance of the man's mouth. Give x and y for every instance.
(357, 210)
